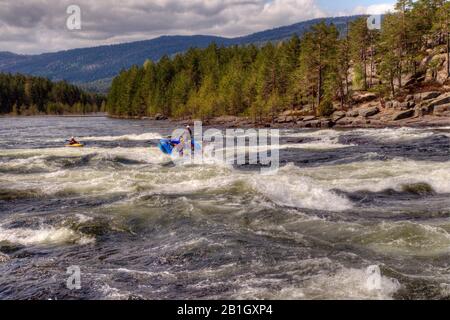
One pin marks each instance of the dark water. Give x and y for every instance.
(344, 203)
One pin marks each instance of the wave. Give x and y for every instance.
(299, 192)
(403, 134)
(332, 282)
(324, 140)
(407, 239)
(378, 176)
(394, 134)
(46, 235)
(128, 137)
(41, 161)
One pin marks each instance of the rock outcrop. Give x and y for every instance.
(363, 97)
(442, 99)
(442, 110)
(337, 115)
(403, 115)
(368, 112)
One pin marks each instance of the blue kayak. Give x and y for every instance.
(167, 145)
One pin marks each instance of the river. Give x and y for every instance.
(343, 204)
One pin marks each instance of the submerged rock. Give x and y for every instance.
(418, 189)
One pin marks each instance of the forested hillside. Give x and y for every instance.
(89, 65)
(24, 95)
(318, 72)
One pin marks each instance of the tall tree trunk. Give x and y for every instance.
(319, 88)
(392, 85)
(365, 70)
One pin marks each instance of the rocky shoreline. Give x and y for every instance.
(424, 109)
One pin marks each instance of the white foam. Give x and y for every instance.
(377, 176)
(403, 134)
(299, 192)
(128, 137)
(44, 236)
(326, 139)
(350, 284)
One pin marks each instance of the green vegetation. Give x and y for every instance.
(315, 73)
(23, 95)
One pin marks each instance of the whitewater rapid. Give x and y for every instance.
(341, 202)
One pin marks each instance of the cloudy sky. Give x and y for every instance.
(36, 26)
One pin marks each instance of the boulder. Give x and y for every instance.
(368, 112)
(361, 122)
(327, 123)
(362, 97)
(285, 119)
(396, 105)
(281, 119)
(423, 110)
(409, 98)
(442, 110)
(287, 113)
(337, 115)
(290, 119)
(407, 105)
(225, 120)
(427, 95)
(441, 100)
(313, 124)
(160, 117)
(309, 118)
(352, 113)
(344, 122)
(403, 115)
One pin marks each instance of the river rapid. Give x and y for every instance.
(343, 204)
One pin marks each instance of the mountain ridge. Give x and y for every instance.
(101, 63)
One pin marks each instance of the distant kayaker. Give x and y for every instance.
(73, 141)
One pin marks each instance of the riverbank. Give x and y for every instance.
(424, 109)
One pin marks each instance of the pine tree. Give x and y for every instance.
(442, 25)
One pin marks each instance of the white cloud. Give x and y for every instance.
(375, 9)
(39, 25)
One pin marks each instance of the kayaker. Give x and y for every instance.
(72, 141)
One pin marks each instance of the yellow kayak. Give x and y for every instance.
(75, 145)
